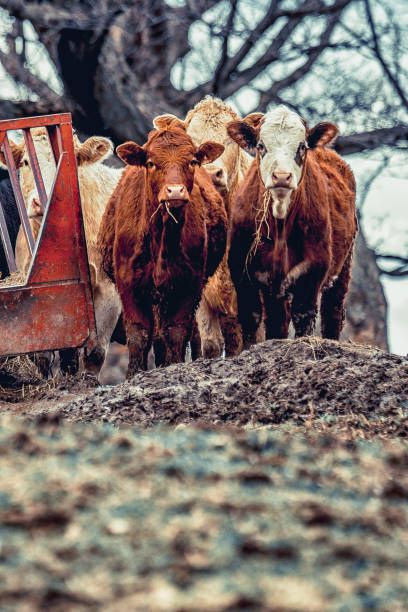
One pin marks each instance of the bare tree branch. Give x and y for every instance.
(380, 57)
(224, 51)
(14, 63)
(364, 141)
(297, 74)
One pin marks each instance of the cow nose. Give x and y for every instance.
(35, 208)
(175, 192)
(281, 179)
(218, 175)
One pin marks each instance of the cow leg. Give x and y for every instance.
(108, 307)
(277, 317)
(175, 343)
(139, 340)
(332, 304)
(43, 361)
(249, 313)
(69, 361)
(212, 341)
(159, 352)
(232, 332)
(304, 303)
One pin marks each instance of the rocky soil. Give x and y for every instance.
(275, 481)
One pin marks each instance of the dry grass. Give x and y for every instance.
(16, 278)
(22, 366)
(260, 218)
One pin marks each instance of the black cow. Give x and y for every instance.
(8, 203)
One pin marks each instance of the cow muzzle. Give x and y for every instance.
(218, 176)
(34, 208)
(281, 180)
(174, 195)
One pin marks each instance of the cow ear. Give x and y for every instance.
(17, 151)
(244, 135)
(132, 154)
(323, 134)
(209, 151)
(93, 150)
(254, 120)
(163, 122)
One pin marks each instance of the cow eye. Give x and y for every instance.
(25, 162)
(150, 164)
(261, 148)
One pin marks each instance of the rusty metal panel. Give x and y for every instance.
(43, 317)
(54, 309)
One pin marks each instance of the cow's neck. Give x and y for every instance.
(166, 230)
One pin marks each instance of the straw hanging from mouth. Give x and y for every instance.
(167, 209)
(260, 218)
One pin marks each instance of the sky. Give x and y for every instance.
(385, 221)
(385, 212)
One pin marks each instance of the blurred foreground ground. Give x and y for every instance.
(275, 481)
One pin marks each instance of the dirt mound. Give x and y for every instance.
(200, 519)
(310, 382)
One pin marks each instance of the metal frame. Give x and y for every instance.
(54, 308)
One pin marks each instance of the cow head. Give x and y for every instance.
(280, 140)
(169, 158)
(207, 121)
(93, 150)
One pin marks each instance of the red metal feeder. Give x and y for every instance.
(54, 308)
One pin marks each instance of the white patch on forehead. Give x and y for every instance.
(281, 132)
(282, 126)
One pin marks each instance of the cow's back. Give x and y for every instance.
(341, 191)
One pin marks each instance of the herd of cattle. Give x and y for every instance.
(218, 231)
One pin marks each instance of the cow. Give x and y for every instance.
(96, 183)
(217, 313)
(293, 226)
(12, 219)
(162, 235)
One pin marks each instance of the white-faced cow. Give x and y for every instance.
(293, 226)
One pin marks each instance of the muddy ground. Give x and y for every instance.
(274, 481)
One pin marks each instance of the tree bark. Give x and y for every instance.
(366, 306)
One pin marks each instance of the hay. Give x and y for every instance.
(21, 366)
(260, 218)
(15, 279)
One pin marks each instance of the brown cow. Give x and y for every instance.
(217, 313)
(293, 226)
(163, 234)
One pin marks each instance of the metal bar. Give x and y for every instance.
(30, 122)
(54, 309)
(54, 134)
(5, 238)
(17, 194)
(35, 167)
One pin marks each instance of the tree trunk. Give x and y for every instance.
(366, 306)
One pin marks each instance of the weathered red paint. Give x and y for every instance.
(54, 309)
